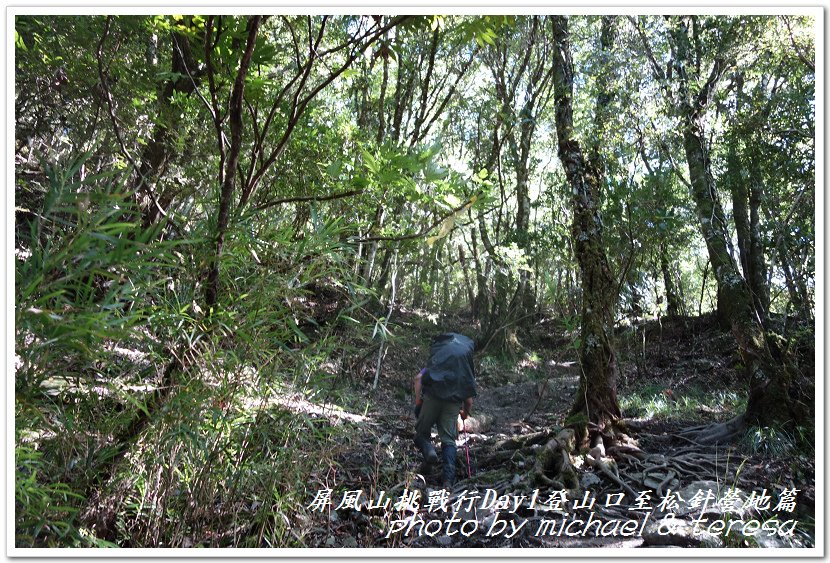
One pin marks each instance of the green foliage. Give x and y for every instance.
(86, 276)
(576, 420)
(571, 330)
(85, 273)
(43, 511)
(421, 135)
(494, 364)
(655, 402)
(228, 443)
(777, 443)
(484, 29)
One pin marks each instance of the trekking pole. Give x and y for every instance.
(467, 447)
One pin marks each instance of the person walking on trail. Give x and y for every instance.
(446, 385)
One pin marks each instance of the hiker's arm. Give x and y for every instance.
(418, 397)
(467, 407)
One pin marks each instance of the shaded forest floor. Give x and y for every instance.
(674, 375)
(235, 455)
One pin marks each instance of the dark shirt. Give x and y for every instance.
(450, 375)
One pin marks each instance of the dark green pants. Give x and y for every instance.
(441, 413)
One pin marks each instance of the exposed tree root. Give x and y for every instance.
(548, 459)
(626, 451)
(719, 433)
(608, 467)
(553, 463)
(523, 441)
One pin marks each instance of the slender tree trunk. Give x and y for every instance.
(416, 276)
(422, 108)
(596, 401)
(770, 400)
(226, 196)
(434, 272)
(795, 297)
(756, 260)
(445, 293)
(301, 217)
(383, 278)
(158, 151)
(427, 266)
(740, 206)
(806, 312)
(481, 301)
(746, 203)
(525, 302)
(574, 294)
(403, 93)
(362, 87)
(369, 266)
(703, 288)
(382, 101)
(673, 302)
(528, 80)
(465, 269)
(796, 288)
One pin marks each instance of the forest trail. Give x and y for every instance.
(235, 236)
(515, 415)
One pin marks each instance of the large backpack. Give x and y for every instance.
(450, 375)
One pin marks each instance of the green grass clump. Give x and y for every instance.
(657, 402)
(772, 442)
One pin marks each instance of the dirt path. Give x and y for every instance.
(515, 419)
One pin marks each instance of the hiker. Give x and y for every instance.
(446, 385)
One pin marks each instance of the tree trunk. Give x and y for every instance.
(746, 203)
(498, 326)
(756, 260)
(465, 269)
(799, 297)
(226, 197)
(703, 288)
(437, 264)
(481, 301)
(301, 217)
(385, 268)
(446, 304)
(382, 100)
(772, 399)
(158, 151)
(403, 93)
(596, 403)
(525, 304)
(424, 265)
(674, 304)
(422, 108)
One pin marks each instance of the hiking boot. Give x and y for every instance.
(428, 451)
(448, 453)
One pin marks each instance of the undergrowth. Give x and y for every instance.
(142, 420)
(770, 442)
(657, 402)
(221, 469)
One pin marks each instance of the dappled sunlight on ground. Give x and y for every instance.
(297, 403)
